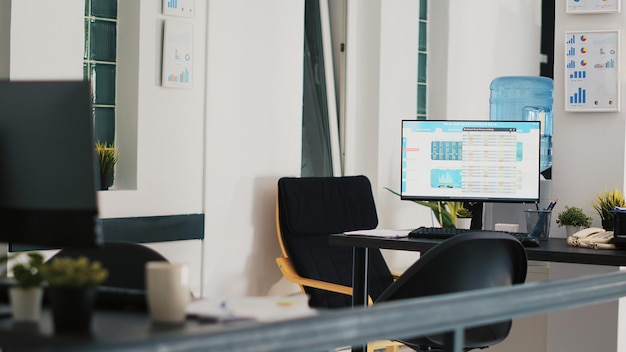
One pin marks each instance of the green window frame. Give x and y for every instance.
(100, 64)
(422, 54)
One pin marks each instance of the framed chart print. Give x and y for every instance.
(177, 55)
(592, 71)
(592, 6)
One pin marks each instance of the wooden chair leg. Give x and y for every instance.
(383, 346)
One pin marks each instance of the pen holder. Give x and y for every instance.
(538, 223)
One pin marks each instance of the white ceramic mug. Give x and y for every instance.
(168, 294)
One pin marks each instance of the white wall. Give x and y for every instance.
(482, 47)
(382, 78)
(397, 97)
(582, 167)
(397, 93)
(236, 130)
(472, 43)
(253, 129)
(381, 81)
(169, 122)
(362, 79)
(39, 54)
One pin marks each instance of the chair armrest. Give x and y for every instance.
(285, 266)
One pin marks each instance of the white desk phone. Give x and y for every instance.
(592, 237)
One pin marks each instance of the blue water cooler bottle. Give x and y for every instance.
(525, 98)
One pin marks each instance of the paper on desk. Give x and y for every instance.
(380, 233)
(270, 308)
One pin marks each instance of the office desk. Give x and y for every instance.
(552, 250)
(111, 330)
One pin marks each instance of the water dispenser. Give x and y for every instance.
(525, 98)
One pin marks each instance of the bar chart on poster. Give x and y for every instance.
(591, 71)
(182, 8)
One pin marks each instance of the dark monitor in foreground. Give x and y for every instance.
(48, 164)
(491, 161)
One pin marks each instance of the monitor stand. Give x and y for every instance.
(513, 213)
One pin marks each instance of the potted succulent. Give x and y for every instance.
(463, 217)
(107, 158)
(604, 204)
(72, 284)
(573, 218)
(27, 293)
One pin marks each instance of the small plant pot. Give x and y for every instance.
(26, 303)
(72, 309)
(463, 223)
(571, 229)
(608, 224)
(106, 180)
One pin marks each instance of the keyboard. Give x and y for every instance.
(442, 233)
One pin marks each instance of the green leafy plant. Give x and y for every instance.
(605, 203)
(74, 272)
(26, 274)
(463, 212)
(107, 156)
(444, 212)
(573, 216)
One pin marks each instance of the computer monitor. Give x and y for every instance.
(459, 160)
(48, 165)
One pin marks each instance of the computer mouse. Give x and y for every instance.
(530, 241)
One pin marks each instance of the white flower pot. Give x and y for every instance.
(571, 229)
(463, 223)
(26, 303)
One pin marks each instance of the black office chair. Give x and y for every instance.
(125, 261)
(310, 209)
(471, 261)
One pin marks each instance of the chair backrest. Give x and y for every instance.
(312, 208)
(125, 285)
(125, 262)
(465, 262)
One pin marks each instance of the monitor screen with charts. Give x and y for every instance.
(465, 160)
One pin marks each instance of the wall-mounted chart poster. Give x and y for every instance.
(591, 71)
(592, 6)
(182, 8)
(177, 55)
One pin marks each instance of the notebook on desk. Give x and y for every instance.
(265, 308)
(379, 233)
